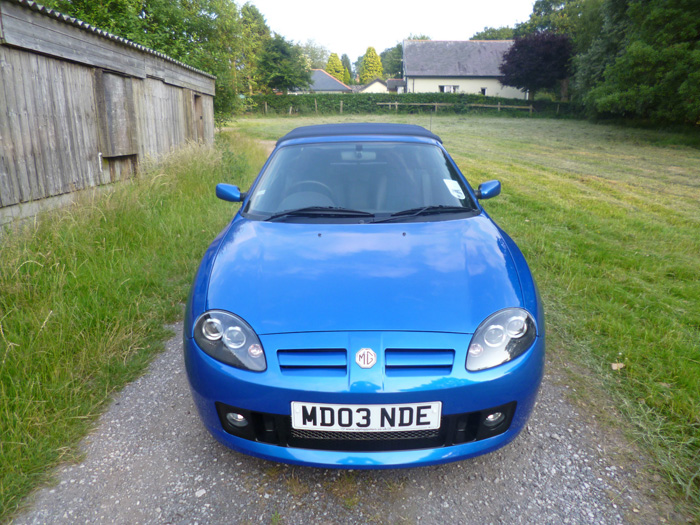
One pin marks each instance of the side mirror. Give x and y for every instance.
(229, 192)
(488, 189)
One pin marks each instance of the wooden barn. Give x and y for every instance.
(80, 107)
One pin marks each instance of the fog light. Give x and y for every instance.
(237, 420)
(494, 419)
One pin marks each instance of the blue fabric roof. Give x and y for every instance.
(327, 130)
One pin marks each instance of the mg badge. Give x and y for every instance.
(366, 358)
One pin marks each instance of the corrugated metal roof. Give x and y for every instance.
(100, 32)
(468, 58)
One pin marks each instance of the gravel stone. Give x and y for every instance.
(149, 460)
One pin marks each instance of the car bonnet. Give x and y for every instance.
(442, 276)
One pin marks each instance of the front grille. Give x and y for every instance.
(314, 362)
(363, 436)
(418, 362)
(455, 429)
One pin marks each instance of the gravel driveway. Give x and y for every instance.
(150, 461)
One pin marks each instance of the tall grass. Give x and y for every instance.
(85, 293)
(609, 220)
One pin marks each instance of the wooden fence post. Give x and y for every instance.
(341, 107)
(316, 106)
(290, 110)
(499, 106)
(266, 107)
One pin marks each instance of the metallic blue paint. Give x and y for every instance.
(351, 286)
(324, 277)
(228, 192)
(489, 189)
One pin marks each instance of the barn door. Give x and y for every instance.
(198, 118)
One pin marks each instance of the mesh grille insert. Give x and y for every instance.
(364, 436)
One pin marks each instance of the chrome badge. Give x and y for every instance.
(366, 358)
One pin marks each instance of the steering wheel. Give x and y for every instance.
(313, 186)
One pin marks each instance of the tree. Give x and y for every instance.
(537, 61)
(655, 71)
(358, 67)
(254, 33)
(371, 66)
(316, 55)
(602, 48)
(120, 17)
(392, 61)
(345, 59)
(547, 16)
(282, 65)
(201, 33)
(492, 33)
(334, 67)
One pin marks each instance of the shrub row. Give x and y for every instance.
(363, 103)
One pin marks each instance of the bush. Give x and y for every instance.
(369, 103)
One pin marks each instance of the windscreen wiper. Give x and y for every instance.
(320, 211)
(424, 210)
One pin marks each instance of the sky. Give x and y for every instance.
(351, 26)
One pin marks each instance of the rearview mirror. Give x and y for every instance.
(229, 192)
(488, 189)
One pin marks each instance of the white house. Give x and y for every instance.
(376, 86)
(469, 66)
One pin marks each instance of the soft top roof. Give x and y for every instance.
(335, 130)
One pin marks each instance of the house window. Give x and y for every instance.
(449, 89)
(483, 91)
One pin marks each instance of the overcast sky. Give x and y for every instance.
(350, 26)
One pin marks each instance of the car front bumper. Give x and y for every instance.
(411, 368)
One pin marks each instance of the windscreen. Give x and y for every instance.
(380, 178)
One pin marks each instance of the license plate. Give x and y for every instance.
(366, 418)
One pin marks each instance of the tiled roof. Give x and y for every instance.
(322, 81)
(100, 32)
(469, 58)
(393, 83)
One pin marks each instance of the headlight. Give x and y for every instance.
(229, 339)
(502, 337)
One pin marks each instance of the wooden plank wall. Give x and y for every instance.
(81, 108)
(48, 128)
(67, 127)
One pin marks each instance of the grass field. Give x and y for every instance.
(609, 220)
(85, 293)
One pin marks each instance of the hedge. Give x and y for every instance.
(363, 103)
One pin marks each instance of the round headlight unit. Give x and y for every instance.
(502, 337)
(516, 326)
(494, 335)
(234, 338)
(229, 339)
(212, 329)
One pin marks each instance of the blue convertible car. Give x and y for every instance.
(362, 310)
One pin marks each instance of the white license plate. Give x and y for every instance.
(366, 418)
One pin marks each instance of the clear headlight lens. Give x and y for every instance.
(501, 337)
(229, 339)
